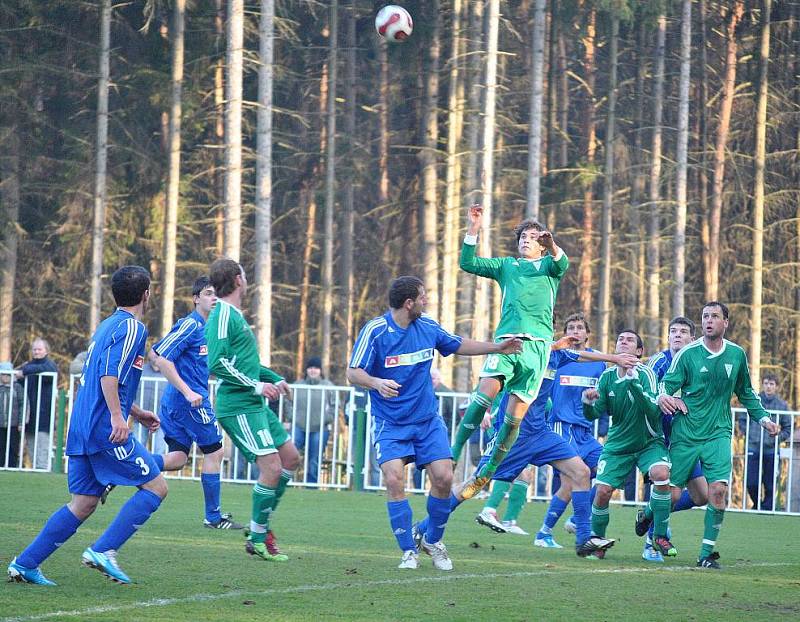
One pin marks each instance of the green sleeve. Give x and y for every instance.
(644, 392)
(559, 266)
(482, 266)
(675, 377)
(221, 356)
(599, 408)
(265, 374)
(744, 391)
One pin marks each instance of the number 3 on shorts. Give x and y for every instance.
(142, 465)
(601, 466)
(491, 361)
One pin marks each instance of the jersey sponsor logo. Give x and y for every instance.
(204, 350)
(138, 362)
(728, 369)
(410, 358)
(578, 381)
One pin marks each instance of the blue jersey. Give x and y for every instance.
(570, 382)
(660, 363)
(384, 350)
(185, 345)
(116, 349)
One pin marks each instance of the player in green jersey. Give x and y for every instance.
(635, 437)
(241, 407)
(707, 373)
(529, 284)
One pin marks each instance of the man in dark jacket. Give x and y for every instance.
(39, 385)
(758, 461)
(313, 412)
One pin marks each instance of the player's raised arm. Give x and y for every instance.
(560, 259)
(623, 360)
(469, 262)
(470, 347)
(594, 401)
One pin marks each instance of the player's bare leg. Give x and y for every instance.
(480, 401)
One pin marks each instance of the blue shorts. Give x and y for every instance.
(124, 465)
(581, 438)
(422, 443)
(185, 426)
(544, 447)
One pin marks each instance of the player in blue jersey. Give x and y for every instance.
(392, 358)
(537, 444)
(186, 413)
(100, 447)
(566, 418)
(681, 333)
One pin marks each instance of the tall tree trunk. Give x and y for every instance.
(585, 283)
(759, 164)
(383, 125)
(263, 250)
(452, 191)
(9, 219)
(725, 110)
(174, 171)
(219, 129)
(330, 191)
(427, 157)
(654, 221)
(98, 227)
(233, 130)
(535, 121)
(606, 226)
(702, 119)
(679, 270)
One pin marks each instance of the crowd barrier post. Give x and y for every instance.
(360, 446)
(61, 413)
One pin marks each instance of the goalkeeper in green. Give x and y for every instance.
(707, 373)
(635, 437)
(529, 284)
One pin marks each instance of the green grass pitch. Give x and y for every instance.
(343, 566)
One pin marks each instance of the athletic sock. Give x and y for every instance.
(211, 494)
(478, 406)
(499, 490)
(132, 515)
(506, 436)
(713, 522)
(59, 528)
(422, 526)
(685, 502)
(263, 505)
(554, 512)
(516, 499)
(599, 520)
(438, 513)
(400, 520)
(283, 483)
(660, 503)
(583, 516)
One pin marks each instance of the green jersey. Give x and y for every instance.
(529, 290)
(631, 402)
(233, 359)
(707, 380)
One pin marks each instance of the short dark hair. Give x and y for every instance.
(528, 223)
(639, 342)
(128, 285)
(685, 321)
(769, 376)
(404, 288)
(200, 284)
(222, 274)
(716, 303)
(577, 317)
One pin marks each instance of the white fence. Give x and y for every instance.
(324, 423)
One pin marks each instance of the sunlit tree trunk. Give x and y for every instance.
(219, 129)
(98, 227)
(535, 120)
(679, 268)
(233, 130)
(9, 220)
(585, 282)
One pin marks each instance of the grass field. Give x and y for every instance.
(343, 560)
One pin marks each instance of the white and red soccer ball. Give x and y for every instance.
(393, 23)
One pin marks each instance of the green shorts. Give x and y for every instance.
(522, 373)
(255, 434)
(715, 458)
(613, 469)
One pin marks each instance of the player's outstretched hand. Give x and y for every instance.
(486, 422)
(387, 388)
(590, 396)
(671, 405)
(565, 342)
(119, 430)
(285, 390)
(475, 215)
(194, 398)
(150, 420)
(625, 360)
(773, 428)
(270, 391)
(510, 346)
(545, 238)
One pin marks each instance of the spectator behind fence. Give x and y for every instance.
(12, 408)
(308, 404)
(756, 460)
(40, 401)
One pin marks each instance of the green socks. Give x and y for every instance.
(264, 502)
(516, 500)
(478, 406)
(660, 506)
(713, 522)
(599, 521)
(505, 438)
(499, 490)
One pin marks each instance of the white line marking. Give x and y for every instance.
(323, 587)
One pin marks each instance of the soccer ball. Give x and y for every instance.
(393, 23)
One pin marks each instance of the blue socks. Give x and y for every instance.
(210, 482)
(554, 512)
(438, 513)
(422, 526)
(400, 520)
(56, 531)
(131, 516)
(582, 504)
(159, 458)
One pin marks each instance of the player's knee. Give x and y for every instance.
(290, 458)
(441, 480)
(83, 506)
(578, 473)
(717, 493)
(659, 475)
(603, 495)
(394, 481)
